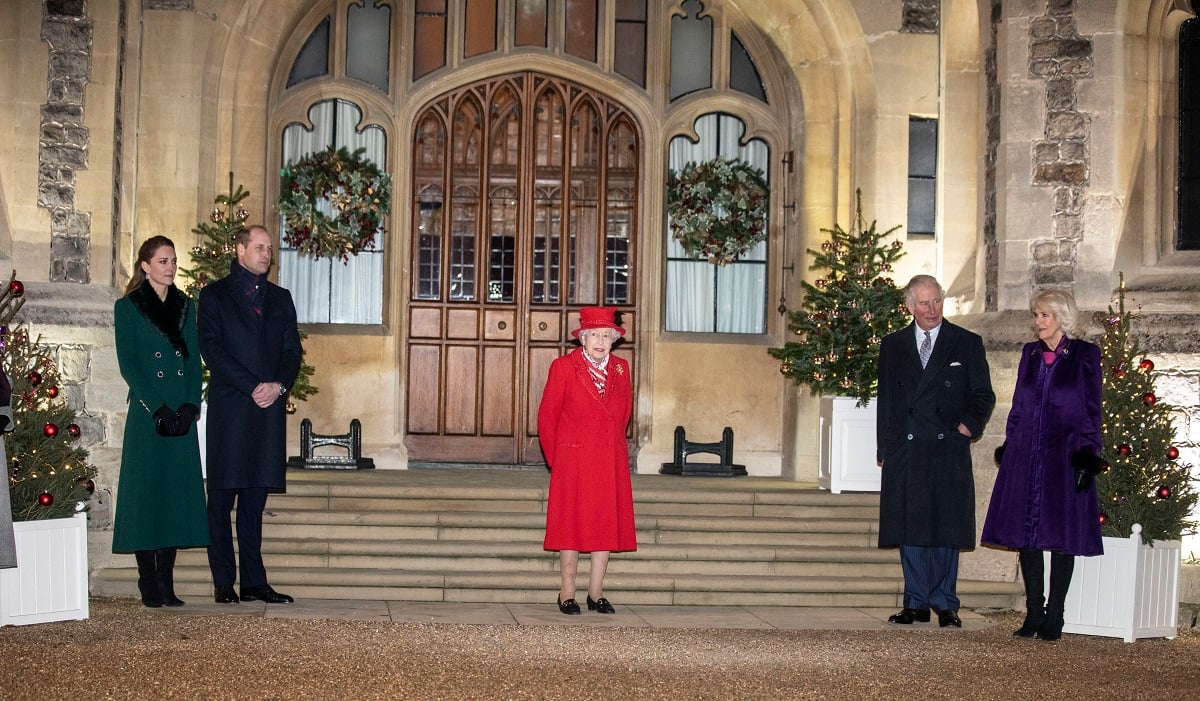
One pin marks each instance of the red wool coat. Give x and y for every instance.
(583, 437)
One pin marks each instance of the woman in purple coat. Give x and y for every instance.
(1045, 497)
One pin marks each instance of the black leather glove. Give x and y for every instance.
(167, 423)
(3, 422)
(1086, 466)
(999, 454)
(188, 414)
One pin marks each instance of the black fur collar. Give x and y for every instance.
(168, 316)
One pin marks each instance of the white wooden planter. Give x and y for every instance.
(50, 581)
(847, 446)
(1129, 592)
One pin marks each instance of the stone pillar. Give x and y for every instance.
(63, 145)
(1061, 161)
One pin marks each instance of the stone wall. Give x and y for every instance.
(64, 140)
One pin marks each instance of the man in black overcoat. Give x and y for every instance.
(251, 345)
(933, 402)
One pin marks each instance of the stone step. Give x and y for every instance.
(475, 536)
(649, 502)
(484, 556)
(535, 587)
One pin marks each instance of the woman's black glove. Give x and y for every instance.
(999, 454)
(188, 413)
(167, 423)
(1086, 467)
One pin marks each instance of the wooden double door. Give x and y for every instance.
(525, 205)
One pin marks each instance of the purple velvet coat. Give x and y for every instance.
(1055, 412)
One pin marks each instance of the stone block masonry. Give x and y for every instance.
(1061, 160)
(63, 138)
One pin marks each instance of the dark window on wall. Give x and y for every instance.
(691, 51)
(629, 57)
(1188, 185)
(580, 39)
(530, 23)
(480, 28)
(368, 29)
(313, 59)
(922, 176)
(429, 40)
(743, 74)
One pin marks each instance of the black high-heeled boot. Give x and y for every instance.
(1062, 566)
(1033, 571)
(165, 560)
(148, 579)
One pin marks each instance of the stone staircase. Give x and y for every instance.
(475, 536)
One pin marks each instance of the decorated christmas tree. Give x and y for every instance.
(49, 474)
(846, 313)
(211, 259)
(1143, 480)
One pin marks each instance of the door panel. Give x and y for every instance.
(461, 389)
(542, 210)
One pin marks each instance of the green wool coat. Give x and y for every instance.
(160, 496)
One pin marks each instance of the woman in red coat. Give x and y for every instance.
(581, 426)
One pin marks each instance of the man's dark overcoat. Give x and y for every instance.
(927, 493)
(247, 446)
(1055, 414)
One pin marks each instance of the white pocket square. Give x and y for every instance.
(955, 364)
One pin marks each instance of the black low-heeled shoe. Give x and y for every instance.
(569, 607)
(600, 605)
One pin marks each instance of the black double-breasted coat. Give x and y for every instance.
(247, 445)
(927, 491)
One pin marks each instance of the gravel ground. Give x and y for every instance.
(127, 652)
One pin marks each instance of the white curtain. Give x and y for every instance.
(330, 291)
(702, 297)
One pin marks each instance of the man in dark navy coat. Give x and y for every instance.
(251, 345)
(935, 396)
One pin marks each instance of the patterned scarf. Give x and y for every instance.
(598, 372)
(250, 284)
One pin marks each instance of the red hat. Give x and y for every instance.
(598, 318)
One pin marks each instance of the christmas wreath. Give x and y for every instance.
(333, 202)
(717, 209)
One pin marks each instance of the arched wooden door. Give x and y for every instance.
(525, 204)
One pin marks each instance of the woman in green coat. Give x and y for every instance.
(160, 497)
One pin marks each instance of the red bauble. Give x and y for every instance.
(1124, 449)
(50, 430)
(1148, 399)
(87, 484)
(73, 430)
(1118, 372)
(1163, 492)
(52, 392)
(35, 377)
(1172, 452)
(1103, 518)
(45, 499)
(1104, 466)
(1146, 365)
(17, 288)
